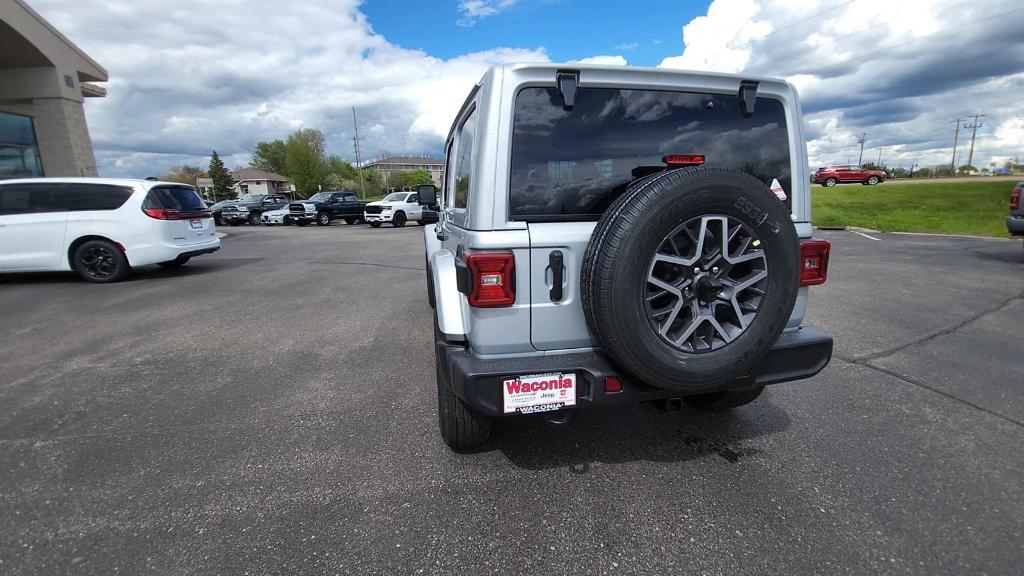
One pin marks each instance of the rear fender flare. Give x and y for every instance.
(450, 320)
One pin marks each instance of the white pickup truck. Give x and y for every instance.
(397, 208)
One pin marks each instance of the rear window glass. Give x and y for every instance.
(572, 164)
(94, 196)
(180, 198)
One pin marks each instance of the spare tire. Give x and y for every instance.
(667, 303)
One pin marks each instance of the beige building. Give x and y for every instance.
(44, 79)
(250, 181)
(388, 166)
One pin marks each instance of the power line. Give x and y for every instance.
(792, 55)
(887, 48)
(811, 17)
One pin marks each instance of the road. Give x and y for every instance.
(270, 409)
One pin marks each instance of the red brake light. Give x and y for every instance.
(171, 214)
(162, 213)
(683, 159)
(612, 385)
(814, 262)
(491, 276)
(1015, 199)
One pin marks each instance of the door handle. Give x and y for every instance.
(555, 260)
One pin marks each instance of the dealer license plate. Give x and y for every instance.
(539, 393)
(196, 223)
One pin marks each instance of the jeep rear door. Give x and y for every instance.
(568, 166)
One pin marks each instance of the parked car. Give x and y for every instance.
(101, 228)
(829, 176)
(397, 208)
(276, 217)
(1015, 221)
(566, 276)
(216, 208)
(249, 208)
(323, 207)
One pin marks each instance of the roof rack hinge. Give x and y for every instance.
(567, 81)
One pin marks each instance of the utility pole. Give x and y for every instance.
(359, 163)
(860, 140)
(956, 139)
(880, 157)
(912, 165)
(974, 132)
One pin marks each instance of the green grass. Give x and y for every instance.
(974, 208)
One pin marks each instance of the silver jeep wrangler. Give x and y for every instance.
(612, 234)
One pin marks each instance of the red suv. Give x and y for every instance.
(829, 176)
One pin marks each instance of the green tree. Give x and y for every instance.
(270, 157)
(306, 160)
(923, 172)
(409, 178)
(183, 174)
(966, 168)
(222, 181)
(343, 168)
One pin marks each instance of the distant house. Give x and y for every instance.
(252, 181)
(388, 166)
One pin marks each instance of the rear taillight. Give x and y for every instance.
(1015, 199)
(169, 214)
(814, 262)
(491, 279)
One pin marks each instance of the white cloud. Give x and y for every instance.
(473, 10)
(900, 71)
(185, 85)
(608, 60)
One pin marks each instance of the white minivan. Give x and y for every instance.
(100, 227)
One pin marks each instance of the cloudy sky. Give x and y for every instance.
(189, 76)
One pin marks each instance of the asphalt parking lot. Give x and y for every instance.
(270, 409)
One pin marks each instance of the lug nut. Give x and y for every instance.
(714, 270)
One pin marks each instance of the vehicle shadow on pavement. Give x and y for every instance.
(142, 273)
(637, 433)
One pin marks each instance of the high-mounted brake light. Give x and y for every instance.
(683, 159)
(492, 276)
(1015, 199)
(814, 262)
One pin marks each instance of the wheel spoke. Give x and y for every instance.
(697, 248)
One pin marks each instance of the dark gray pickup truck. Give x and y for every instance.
(249, 208)
(323, 207)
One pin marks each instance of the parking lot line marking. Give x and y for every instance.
(866, 236)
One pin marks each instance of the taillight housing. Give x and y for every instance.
(491, 279)
(171, 214)
(1015, 199)
(814, 262)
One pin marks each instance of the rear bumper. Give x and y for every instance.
(796, 355)
(1015, 225)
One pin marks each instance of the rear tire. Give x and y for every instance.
(399, 220)
(461, 427)
(663, 301)
(421, 222)
(717, 401)
(350, 221)
(100, 261)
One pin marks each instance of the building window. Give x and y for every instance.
(19, 152)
